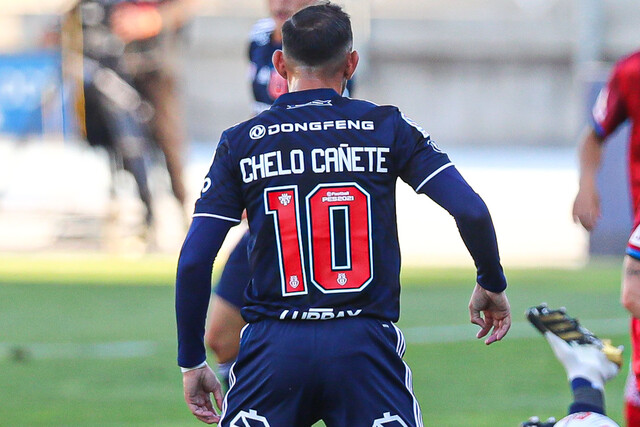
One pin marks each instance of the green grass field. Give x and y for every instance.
(91, 342)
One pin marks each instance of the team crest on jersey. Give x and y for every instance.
(342, 279)
(285, 199)
(389, 420)
(257, 132)
(294, 282)
(249, 419)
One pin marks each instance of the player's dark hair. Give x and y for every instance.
(317, 34)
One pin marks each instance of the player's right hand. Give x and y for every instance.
(586, 208)
(198, 385)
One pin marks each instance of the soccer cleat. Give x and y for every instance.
(567, 328)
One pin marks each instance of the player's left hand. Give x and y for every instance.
(496, 311)
(198, 385)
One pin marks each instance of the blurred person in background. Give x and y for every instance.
(617, 102)
(129, 87)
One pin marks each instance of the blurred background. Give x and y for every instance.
(503, 86)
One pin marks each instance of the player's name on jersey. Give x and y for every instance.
(343, 158)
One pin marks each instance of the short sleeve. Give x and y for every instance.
(221, 195)
(419, 158)
(609, 110)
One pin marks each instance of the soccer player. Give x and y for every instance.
(129, 90)
(317, 175)
(225, 322)
(588, 361)
(618, 101)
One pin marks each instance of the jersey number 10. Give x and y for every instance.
(338, 237)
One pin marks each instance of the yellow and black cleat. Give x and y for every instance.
(559, 323)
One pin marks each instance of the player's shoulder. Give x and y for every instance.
(628, 65)
(252, 129)
(392, 112)
(261, 31)
(371, 108)
(389, 116)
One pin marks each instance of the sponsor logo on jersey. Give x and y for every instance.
(207, 185)
(338, 196)
(258, 131)
(318, 314)
(316, 103)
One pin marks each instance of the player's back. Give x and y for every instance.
(317, 174)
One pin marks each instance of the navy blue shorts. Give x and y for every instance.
(347, 372)
(236, 275)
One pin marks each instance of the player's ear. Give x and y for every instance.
(352, 64)
(279, 63)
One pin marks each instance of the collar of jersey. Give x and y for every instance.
(303, 96)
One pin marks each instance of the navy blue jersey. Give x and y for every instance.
(266, 83)
(317, 174)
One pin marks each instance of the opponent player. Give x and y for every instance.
(317, 175)
(618, 101)
(225, 322)
(588, 361)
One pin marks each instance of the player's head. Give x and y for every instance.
(317, 41)
(281, 10)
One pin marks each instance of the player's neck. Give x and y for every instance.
(309, 82)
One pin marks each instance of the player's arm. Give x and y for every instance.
(216, 211)
(630, 295)
(586, 207)
(472, 217)
(609, 112)
(193, 288)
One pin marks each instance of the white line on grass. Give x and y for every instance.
(413, 335)
(107, 350)
(459, 333)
